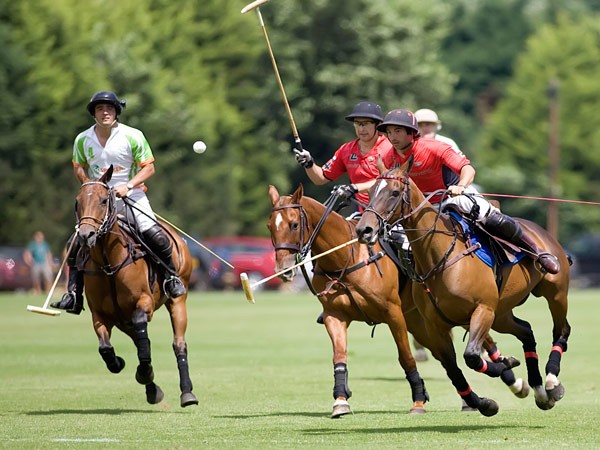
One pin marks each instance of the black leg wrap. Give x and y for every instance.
(417, 386)
(553, 364)
(142, 342)
(112, 361)
(185, 383)
(508, 377)
(340, 375)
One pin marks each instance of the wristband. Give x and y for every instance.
(130, 186)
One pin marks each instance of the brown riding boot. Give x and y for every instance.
(547, 260)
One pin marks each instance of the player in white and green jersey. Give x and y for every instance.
(107, 143)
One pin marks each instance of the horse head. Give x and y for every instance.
(390, 202)
(287, 224)
(96, 211)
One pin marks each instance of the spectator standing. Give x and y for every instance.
(38, 257)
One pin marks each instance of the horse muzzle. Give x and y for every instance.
(87, 237)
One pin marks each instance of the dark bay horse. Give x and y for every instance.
(454, 289)
(349, 289)
(121, 291)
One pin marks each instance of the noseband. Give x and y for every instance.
(110, 216)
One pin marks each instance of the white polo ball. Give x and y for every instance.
(199, 147)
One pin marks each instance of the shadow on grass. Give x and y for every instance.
(108, 412)
(446, 429)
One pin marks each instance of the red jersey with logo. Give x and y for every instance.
(360, 168)
(436, 166)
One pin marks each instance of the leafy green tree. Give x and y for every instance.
(516, 138)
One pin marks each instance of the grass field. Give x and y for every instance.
(264, 378)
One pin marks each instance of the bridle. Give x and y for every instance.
(297, 246)
(401, 200)
(110, 216)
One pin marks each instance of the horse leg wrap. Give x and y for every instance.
(185, 383)
(340, 376)
(417, 386)
(142, 342)
(113, 363)
(553, 364)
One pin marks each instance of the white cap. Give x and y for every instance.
(428, 115)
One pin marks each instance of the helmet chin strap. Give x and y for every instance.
(101, 125)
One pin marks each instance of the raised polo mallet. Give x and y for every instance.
(247, 287)
(255, 5)
(44, 309)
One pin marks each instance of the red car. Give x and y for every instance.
(14, 273)
(251, 254)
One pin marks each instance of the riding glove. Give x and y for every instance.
(304, 158)
(346, 191)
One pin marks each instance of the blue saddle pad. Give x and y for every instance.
(484, 252)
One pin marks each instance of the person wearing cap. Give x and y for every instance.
(438, 166)
(109, 142)
(429, 125)
(357, 158)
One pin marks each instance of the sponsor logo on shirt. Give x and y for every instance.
(353, 157)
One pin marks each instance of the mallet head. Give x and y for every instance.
(246, 287)
(46, 311)
(255, 4)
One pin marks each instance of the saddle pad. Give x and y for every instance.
(484, 253)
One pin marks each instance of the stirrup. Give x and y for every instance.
(173, 287)
(69, 303)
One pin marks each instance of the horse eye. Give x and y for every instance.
(104, 201)
(294, 226)
(395, 193)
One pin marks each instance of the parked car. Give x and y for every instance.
(14, 273)
(585, 251)
(250, 254)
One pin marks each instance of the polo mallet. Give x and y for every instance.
(255, 5)
(247, 287)
(44, 309)
(196, 241)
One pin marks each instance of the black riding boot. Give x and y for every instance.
(72, 300)
(507, 228)
(160, 244)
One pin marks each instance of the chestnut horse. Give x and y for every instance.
(462, 290)
(123, 291)
(353, 284)
(348, 288)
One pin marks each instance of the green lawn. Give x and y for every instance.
(264, 378)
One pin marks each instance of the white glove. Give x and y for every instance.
(304, 158)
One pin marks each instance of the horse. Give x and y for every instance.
(455, 288)
(123, 288)
(352, 284)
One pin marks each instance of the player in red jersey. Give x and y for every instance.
(438, 166)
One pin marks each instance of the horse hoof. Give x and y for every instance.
(188, 399)
(541, 398)
(144, 375)
(154, 394)
(118, 366)
(340, 408)
(520, 388)
(488, 407)
(417, 408)
(510, 362)
(557, 393)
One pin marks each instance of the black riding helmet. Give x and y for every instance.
(106, 97)
(400, 117)
(366, 109)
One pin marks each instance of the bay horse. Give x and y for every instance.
(123, 290)
(352, 284)
(455, 288)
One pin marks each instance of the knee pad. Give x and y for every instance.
(156, 238)
(505, 226)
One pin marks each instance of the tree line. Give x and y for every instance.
(195, 70)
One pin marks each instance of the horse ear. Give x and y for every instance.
(407, 166)
(380, 165)
(107, 175)
(273, 195)
(298, 193)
